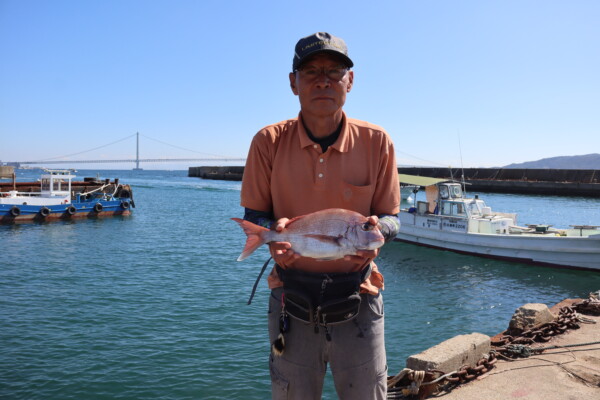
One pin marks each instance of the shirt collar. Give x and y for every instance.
(340, 145)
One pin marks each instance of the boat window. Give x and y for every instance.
(453, 208)
(46, 184)
(58, 185)
(456, 191)
(473, 209)
(444, 192)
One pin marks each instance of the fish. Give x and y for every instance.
(328, 234)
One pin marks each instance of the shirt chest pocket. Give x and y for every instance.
(357, 198)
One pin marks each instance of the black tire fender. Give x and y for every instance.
(124, 205)
(44, 211)
(98, 207)
(71, 210)
(15, 211)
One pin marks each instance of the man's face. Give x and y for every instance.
(316, 84)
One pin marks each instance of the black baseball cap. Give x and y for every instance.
(320, 42)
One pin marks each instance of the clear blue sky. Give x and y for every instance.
(514, 80)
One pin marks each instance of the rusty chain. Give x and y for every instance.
(512, 346)
(435, 380)
(467, 373)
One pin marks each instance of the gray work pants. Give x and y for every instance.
(356, 355)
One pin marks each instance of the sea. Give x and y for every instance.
(154, 305)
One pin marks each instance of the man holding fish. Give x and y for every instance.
(322, 189)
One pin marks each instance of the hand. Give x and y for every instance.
(282, 251)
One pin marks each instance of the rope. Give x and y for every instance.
(519, 350)
(418, 377)
(440, 378)
(568, 345)
(95, 190)
(116, 189)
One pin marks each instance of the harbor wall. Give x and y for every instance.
(219, 173)
(563, 182)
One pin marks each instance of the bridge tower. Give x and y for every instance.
(137, 153)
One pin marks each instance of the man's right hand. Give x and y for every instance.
(282, 251)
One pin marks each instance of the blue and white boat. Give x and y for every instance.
(56, 196)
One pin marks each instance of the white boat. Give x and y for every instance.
(449, 220)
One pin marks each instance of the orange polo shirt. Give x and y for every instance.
(288, 173)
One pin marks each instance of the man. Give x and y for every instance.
(323, 159)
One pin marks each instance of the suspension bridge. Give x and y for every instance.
(137, 160)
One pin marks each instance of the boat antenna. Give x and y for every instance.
(462, 169)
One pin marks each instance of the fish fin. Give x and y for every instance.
(327, 239)
(255, 237)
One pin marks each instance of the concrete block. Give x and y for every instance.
(452, 354)
(529, 316)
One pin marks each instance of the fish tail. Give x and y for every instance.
(255, 237)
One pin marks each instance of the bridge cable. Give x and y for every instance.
(86, 151)
(422, 159)
(182, 148)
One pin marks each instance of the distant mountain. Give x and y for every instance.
(587, 161)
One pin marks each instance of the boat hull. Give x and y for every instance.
(551, 250)
(75, 210)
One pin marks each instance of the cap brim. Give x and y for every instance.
(345, 59)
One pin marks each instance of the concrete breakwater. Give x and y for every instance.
(219, 173)
(563, 182)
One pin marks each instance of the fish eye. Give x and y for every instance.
(366, 226)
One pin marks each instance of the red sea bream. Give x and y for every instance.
(324, 235)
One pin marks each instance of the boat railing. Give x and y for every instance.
(15, 193)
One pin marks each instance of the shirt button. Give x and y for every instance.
(320, 175)
(321, 160)
(315, 146)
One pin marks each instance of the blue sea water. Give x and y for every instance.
(153, 306)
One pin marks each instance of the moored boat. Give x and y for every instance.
(449, 220)
(57, 196)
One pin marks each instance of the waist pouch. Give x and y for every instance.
(322, 299)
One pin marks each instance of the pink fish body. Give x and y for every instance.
(324, 235)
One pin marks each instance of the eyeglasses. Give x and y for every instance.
(311, 72)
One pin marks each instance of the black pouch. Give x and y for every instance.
(322, 299)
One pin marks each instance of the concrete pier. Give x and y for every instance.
(562, 182)
(560, 373)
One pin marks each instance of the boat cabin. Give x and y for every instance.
(55, 188)
(448, 208)
(56, 183)
(450, 199)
